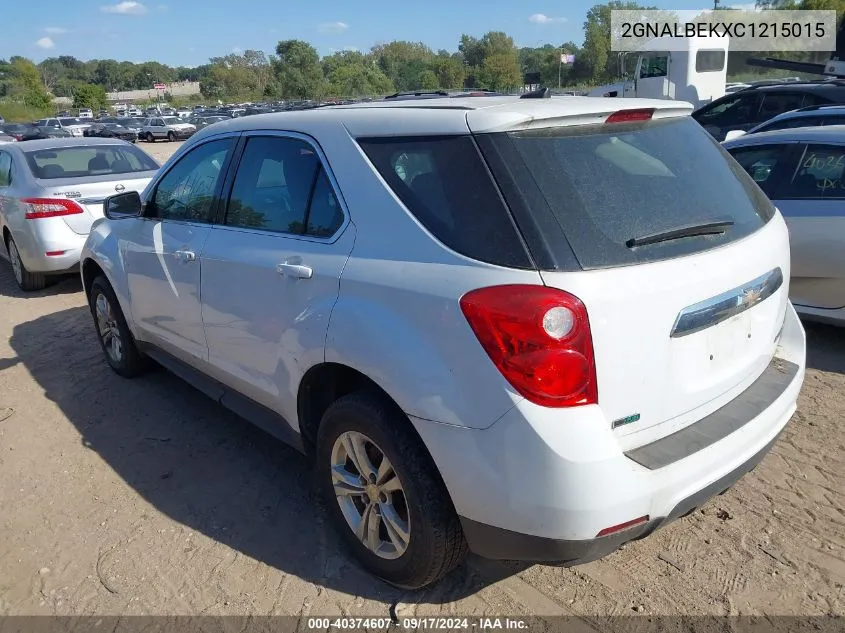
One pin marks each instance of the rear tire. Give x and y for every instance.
(171, 137)
(116, 340)
(150, 138)
(27, 281)
(417, 537)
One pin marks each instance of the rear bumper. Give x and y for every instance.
(501, 544)
(541, 484)
(46, 236)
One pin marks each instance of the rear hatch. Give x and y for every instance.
(91, 193)
(680, 259)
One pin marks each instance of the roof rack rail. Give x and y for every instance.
(420, 93)
(540, 93)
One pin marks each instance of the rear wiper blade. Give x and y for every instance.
(694, 230)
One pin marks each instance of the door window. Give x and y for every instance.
(281, 187)
(186, 192)
(5, 169)
(779, 102)
(738, 110)
(760, 162)
(819, 174)
(654, 67)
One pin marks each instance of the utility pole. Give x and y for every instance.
(715, 5)
(559, 66)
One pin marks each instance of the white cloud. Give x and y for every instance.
(128, 7)
(55, 30)
(45, 42)
(345, 49)
(333, 27)
(541, 18)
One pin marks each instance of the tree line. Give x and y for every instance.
(295, 70)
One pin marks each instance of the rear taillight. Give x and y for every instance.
(539, 339)
(50, 207)
(629, 116)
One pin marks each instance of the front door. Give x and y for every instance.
(163, 251)
(271, 270)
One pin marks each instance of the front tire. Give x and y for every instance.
(27, 281)
(171, 137)
(116, 340)
(150, 138)
(384, 494)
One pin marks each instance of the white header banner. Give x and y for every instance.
(760, 31)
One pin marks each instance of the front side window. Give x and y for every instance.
(819, 174)
(736, 110)
(186, 192)
(281, 187)
(654, 67)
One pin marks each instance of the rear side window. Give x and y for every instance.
(778, 103)
(710, 61)
(819, 175)
(799, 121)
(444, 183)
(610, 184)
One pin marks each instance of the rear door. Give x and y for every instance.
(812, 200)
(681, 324)
(271, 269)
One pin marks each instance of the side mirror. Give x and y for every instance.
(732, 134)
(122, 205)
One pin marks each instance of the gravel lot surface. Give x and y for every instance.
(144, 497)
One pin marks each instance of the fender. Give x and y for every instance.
(103, 247)
(423, 354)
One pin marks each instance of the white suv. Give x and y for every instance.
(531, 328)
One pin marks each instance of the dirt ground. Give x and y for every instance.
(143, 497)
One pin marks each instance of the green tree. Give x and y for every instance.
(89, 96)
(403, 62)
(356, 80)
(500, 71)
(298, 70)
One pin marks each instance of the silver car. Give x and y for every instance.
(166, 127)
(52, 191)
(802, 170)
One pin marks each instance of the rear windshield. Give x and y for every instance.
(607, 185)
(75, 162)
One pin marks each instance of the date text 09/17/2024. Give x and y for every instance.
(420, 623)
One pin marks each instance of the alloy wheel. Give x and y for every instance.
(108, 329)
(15, 259)
(370, 495)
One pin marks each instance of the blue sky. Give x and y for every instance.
(188, 32)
